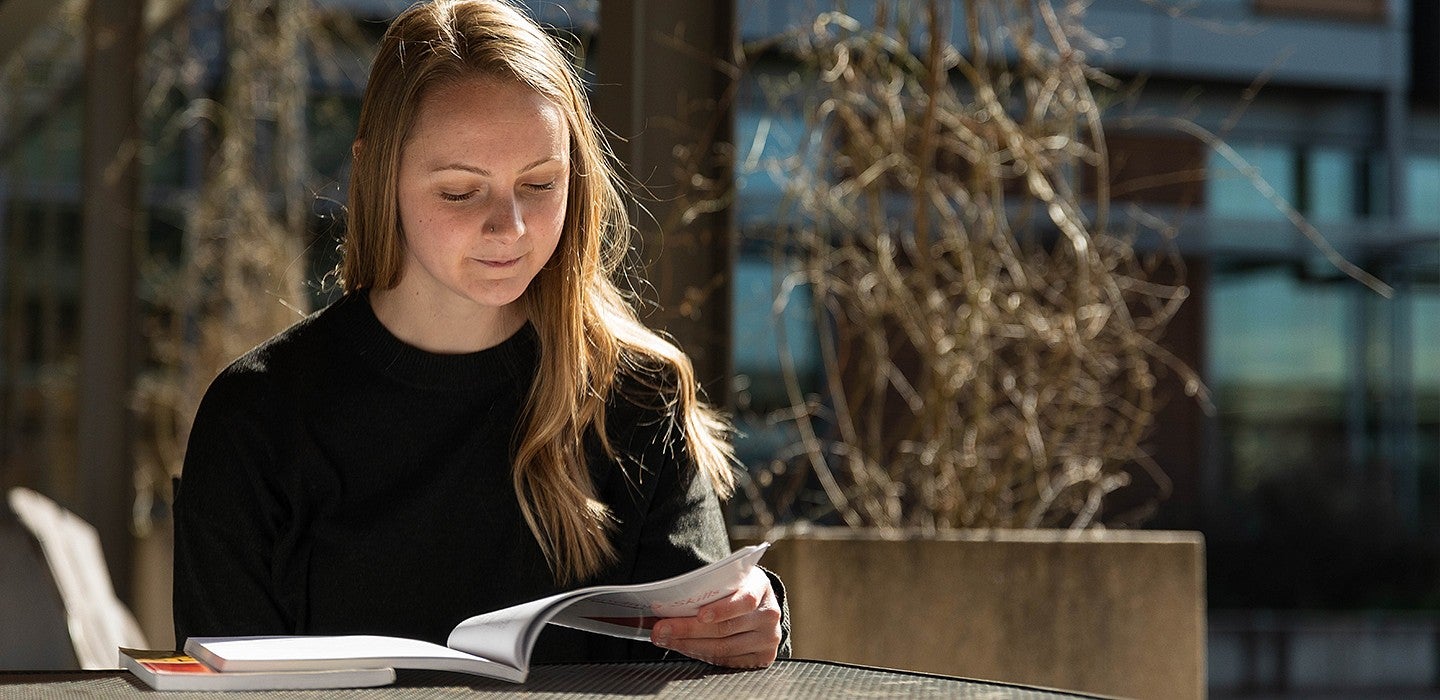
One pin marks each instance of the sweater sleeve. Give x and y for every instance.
(684, 527)
(228, 513)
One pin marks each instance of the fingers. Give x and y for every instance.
(740, 631)
(753, 594)
(748, 650)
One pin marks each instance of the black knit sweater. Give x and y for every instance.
(340, 481)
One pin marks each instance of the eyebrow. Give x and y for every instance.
(486, 173)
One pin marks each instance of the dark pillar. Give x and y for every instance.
(661, 85)
(114, 39)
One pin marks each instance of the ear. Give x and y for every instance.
(355, 148)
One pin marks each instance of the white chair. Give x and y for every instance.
(33, 636)
(96, 619)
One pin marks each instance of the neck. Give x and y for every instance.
(444, 329)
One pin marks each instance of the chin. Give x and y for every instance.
(495, 298)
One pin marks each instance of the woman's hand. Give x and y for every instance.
(740, 631)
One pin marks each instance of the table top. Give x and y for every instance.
(787, 678)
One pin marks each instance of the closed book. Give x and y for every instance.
(170, 670)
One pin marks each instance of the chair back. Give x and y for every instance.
(33, 632)
(98, 623)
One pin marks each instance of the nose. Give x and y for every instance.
(505, 221)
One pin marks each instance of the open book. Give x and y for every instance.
(496, 644)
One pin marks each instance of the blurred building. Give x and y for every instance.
(1317, 479)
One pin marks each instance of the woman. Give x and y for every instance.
(480, 420)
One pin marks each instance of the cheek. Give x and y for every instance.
(421, 225)
(552, 223)
(411, 220)
(549, 249)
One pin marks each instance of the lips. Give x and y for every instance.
(498, 263)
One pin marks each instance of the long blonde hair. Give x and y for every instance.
(588, 331)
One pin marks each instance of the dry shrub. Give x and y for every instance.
(990, 338)
(242, 273)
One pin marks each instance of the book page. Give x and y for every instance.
(508, 634)
(619, 611)
(631, 612)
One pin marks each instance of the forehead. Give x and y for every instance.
(487, 111)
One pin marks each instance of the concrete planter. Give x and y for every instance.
(1112, 612)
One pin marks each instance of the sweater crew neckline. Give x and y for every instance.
(515, 357)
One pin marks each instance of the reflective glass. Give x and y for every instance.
(1425, 370)
(51, 152)
(1332, 185)
(1267, 326)
(1426, 318)
(1422, 190)
(760, 385)
(757, 350)
(1379, 169)
(1232, 193)
(1278, 349)
(766, 147)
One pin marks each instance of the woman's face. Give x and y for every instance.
(482, 190)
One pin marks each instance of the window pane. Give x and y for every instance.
(756, 348)
(1379, 169)
(756, 352)
(1425, 370)
(1231, 194)
(766, 146)
(1422, 190)
(1278, 368)
(1426, 318)
(1331, 183)
(51, 152)
(1267, 326)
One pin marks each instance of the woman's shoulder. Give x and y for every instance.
(277, 354)
(286, 357)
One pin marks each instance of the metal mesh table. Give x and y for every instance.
(788, 678)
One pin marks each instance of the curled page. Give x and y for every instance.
(619, 611)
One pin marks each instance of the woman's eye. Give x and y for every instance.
(541, 186)
(452, 197)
